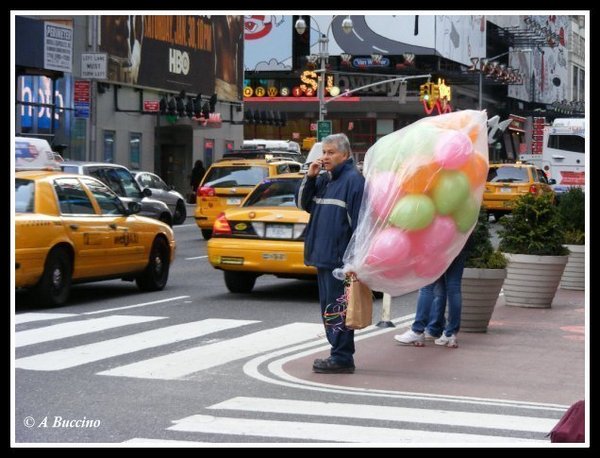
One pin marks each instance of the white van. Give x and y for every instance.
(315, 153)
(34, 154)
(283, 145)
(563, 154)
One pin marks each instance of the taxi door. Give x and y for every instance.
(88, 231)
(126, 247)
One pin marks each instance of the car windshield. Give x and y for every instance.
(24, 195)
(119, 180)
(230, 177)
(273, 193)
(507, 175)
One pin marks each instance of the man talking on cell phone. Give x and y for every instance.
(333, 200)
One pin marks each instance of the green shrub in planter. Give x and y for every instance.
(534, 227)
(481, 253)
(571, 209)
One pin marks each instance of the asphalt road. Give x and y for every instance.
(188, 366)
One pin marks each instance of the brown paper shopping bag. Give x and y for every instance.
(359, 312)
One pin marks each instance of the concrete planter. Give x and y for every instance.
(531, 280)
(480, 290)
(574, 275)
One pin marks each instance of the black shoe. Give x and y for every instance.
(329, 366)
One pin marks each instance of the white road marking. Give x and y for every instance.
(186, 362)
(160, 301)
(38, 316)
(174, 443)
(77, 328)
(83, 354)
(376, 412)
(331, 432)
(197, 257)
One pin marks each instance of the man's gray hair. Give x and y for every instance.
(341, 141)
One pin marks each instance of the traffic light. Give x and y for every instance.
(424, 92)
(283, 119)
(212, 102)
(206, 110)
(198, 106)
(163, 105)
(189, 107)
(248, 118)
(172, 107)
(180, 106)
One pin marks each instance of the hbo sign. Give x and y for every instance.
(179, 62)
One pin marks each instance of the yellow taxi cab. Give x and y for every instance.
(265, 235)
(507, 182)
(227, 182)
(72, 228)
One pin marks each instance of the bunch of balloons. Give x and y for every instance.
(422, 196)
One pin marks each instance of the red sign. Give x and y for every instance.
(81, 92)
(151, 105)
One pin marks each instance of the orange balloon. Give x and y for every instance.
(476, 170)
(421, 180)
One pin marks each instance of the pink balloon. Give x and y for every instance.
(432, 266)
(389, 248)
(453, 149)
(398, 271)
(383, 193)
(434, 237)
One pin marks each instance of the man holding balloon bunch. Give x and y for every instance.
(333, 200)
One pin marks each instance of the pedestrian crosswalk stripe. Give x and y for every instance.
(375, 412)
(330, 432)
(77, 328)
(142, 440)
(83, 354)
(186, 362)
(29, 317)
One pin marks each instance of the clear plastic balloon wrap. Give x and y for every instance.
(423, 190)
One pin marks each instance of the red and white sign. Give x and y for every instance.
(151, 105)
(81, 91)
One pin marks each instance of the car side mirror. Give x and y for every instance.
(133, 207)
(147, 192)
(551, 181)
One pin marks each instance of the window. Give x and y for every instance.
(109, 203)
(229, 177)
(573, 143)
(24, 195)
(72, 199)
(135, 146)
(109, 145)
(274, 193)
(508, 175)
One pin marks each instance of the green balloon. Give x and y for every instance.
(413, 212)
(450, 191)
(419, 139)
(466, 215)
(386, 153)
(390, 152)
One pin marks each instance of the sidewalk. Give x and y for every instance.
(527, 354)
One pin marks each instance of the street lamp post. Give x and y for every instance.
(323, 55)
(484, 63)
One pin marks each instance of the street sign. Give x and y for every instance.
(94, 65)
(81, 98)
(323, 129)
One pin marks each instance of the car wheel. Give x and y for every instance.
(156, 274)
(180, 213)
(207, 234)
(55, 284)
(239, 282)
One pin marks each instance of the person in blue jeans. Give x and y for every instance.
(430, 321)
(333, 199)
